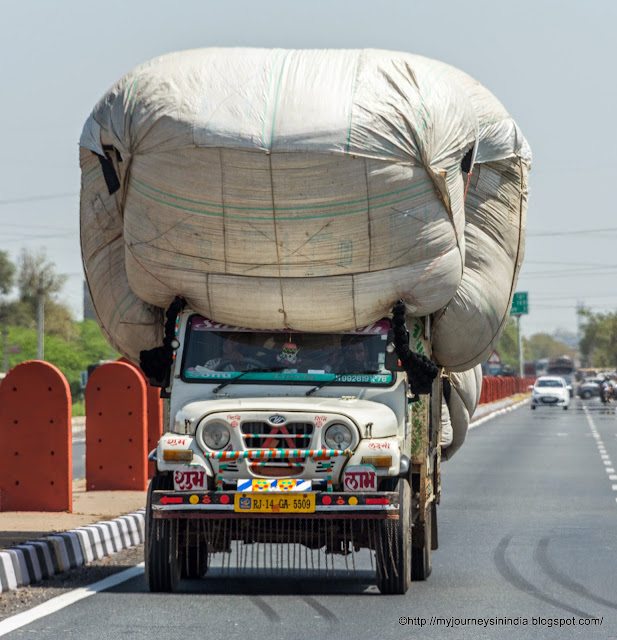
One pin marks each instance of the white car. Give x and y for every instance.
(550, 391)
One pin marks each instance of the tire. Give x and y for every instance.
(421, 544)
(565, 408)
(533, 407)
(161, 557)
(394, 546)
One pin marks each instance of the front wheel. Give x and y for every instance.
(393, 544)
(161, 557)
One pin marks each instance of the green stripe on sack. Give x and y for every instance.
(218, 214)
(131, 303)
(263, 129)
(353, 93)
(214, 205)
(276, 101)
(90, 176)
(486, 305)
(429, 90)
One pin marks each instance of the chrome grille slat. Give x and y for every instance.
(257, 434)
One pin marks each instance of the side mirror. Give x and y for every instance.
(392, 363)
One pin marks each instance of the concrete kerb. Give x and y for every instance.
(36, 560)
(486, 412)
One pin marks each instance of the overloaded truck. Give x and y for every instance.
(315, 439)
(310, 253)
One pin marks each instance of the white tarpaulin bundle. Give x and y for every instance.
(457, 407)
(303, 189)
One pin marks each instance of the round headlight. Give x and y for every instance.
(216, 435)
(338, 436)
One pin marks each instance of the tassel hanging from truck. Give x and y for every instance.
(420, 370)
(156, 363)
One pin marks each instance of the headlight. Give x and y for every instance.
(338, 436)
(216, 435)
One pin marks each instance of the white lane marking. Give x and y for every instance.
(500, 412)
(67, 599)
(606, 461)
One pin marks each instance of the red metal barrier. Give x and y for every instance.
(495, 388)
(116, 434)
(35, 429)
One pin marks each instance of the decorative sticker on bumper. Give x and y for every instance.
(360, 477)
(189, 479)
(279, 484)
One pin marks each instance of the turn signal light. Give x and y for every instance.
(378, 461)
(178, 455)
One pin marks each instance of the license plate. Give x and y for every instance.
(274, 503)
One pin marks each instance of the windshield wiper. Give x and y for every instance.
(226, 382)
(338, 377)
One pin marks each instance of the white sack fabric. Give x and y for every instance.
(458, 406)
(307, 190)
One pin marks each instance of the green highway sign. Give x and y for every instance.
(520, 304)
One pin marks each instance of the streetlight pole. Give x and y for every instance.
(40, 321)
(5, 341)
(520, 346)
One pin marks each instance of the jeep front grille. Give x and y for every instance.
(263, 435)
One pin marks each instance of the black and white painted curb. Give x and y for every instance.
(42, 558)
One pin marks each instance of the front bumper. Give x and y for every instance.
(381, 505)
(549, 401)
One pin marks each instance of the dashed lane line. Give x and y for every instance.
(606, 459)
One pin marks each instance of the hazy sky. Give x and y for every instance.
(551, 63)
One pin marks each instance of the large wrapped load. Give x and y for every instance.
(308, 190)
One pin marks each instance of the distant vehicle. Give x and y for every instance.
(550, 391)
(606, 392)
(589, 388)
(542, 367)
(583, 373)
(561, 366)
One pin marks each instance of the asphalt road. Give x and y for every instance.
(79, 457)
(528, 540)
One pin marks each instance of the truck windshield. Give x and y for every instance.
(216, 352)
